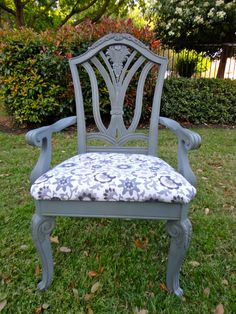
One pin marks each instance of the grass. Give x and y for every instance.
(131, 276)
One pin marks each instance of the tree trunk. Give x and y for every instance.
(20, 21)
(223, 59)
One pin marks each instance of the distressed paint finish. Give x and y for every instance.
(117, 57)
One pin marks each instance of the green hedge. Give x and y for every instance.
(36, 83)
(199, 101)
(35, 78)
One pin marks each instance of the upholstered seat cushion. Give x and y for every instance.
(113, 177)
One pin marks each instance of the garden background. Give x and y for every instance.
(113, 266)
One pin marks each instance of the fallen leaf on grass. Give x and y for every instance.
(101, 270)
(5, 278)
(38, 310)
(54, 240)
(76, 294)
(225, 282)
(92, 273)
(37, 270)
(95, 287)
(90, 311)
(142, 245)
(45, 306)
(194, 263)
(3, 303)
(229, 207)
(163, 287)
(142, 311)
(24, 247)
(64, 249)
(219, 309)
(88, 297)
(199, 170)
(206, 210)
(71, 285)
(206, 291)
(4, 175)
(54, 140)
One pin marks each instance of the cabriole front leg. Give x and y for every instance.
(41, 229)
(180, 232)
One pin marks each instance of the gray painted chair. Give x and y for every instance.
(116, 180)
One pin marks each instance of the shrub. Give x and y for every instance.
(190, 62)
(34, 71)
(37, 87)
(200, 101)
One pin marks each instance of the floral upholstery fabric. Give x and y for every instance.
(113, 177)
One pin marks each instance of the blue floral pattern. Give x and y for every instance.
(113, 177)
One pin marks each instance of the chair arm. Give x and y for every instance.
(187, 140)
(41, 137)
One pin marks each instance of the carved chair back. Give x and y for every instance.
(116, 58)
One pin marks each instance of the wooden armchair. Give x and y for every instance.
(116, 180)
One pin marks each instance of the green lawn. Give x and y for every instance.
(127, 258)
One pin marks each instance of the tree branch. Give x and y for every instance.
(101, 12)
(76, 10)
(96, 16)
(8, 10)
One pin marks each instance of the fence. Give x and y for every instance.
(214, 61)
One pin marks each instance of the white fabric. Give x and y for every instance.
(113, 177)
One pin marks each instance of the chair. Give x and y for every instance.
(116, 180)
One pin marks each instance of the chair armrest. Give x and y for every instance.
(187, 140)
(41, 137)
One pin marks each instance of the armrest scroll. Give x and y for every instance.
(187, 140)
(41, 137)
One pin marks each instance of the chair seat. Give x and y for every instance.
(113, 177)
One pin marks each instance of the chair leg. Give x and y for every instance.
(180, 232)
(41, 229)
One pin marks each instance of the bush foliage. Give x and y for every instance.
(34, 70)
(37, 87)
(200, 101)
(190, 62)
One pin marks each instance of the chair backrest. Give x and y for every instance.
(117, 58)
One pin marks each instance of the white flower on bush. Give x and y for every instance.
(198, 19)
(221, 14)
(179, 10)
(211, 13)
(171, 33)
(219, 2)
(204, 13)
(168, 25)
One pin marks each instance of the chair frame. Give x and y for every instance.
(178, 225)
